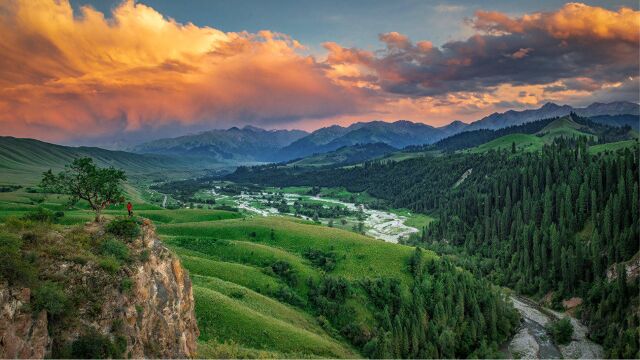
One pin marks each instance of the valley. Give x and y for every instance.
(433, 179)
(395, 256)
(383, 225)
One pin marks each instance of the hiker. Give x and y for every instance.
(130, 208)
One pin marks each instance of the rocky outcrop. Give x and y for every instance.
(147, 304)
(22, 334)
(631, 267)
(159, 313)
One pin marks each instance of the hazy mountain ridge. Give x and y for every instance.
(22, 159)
(255, 144)
(397, 134)
(248, 143)
(550, 110)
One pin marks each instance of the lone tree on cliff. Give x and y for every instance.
(83, 180)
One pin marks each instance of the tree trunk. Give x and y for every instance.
(98, 218)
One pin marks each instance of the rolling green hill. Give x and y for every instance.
(566, 127)
(275, 287)
(523, 142)
(22, 161)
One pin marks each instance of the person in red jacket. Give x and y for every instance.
(130, 208)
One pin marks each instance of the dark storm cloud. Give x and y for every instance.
(585, 45)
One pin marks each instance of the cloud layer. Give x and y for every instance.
(575, 42)
(65, 74)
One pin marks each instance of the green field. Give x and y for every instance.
(614, 146)
(524, 142)
(22, 161)
(228, 256)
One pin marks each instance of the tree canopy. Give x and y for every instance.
(83, 180)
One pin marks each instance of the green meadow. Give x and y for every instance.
(245, 308)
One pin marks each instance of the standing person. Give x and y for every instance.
(130, 208)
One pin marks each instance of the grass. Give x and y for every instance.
(365, 255)
(524, 142)
(614, 146)
(416, 220)
(22, 161)
(244, 308)
(224, 318)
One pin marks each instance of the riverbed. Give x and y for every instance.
(532, 341)
(379, 224)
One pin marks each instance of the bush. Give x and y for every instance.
(96, 346)
(50, 297)
(13, 267)
(43, 215)
(321, 259)
(144, 255)
(289, 296)
(561, 331)
(110, 264)
(126, 284)
(123, 228)
(115, 248)
(285, 271)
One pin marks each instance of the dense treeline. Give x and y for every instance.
(559, 221)
(469, 139)
(556, 221)
(445, 313)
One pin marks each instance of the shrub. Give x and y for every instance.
(13, 267)
(144, 255)
(123, 228)
(93, 345)
(237, 294)
(284, 270)
(289, 296)
(126, 284)
(321, 259)
(50, 297)
(115, 248)
(561, 331)
(43, 215)
(110, 264)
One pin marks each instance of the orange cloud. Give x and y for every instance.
(573, 20)
(62, 72)
(64, 75)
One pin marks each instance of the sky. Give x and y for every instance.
(88, 72)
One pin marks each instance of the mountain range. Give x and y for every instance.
(551, 110)
(231, 145)
(252, 144)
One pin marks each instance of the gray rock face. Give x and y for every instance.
(156, 316)
(22, 334)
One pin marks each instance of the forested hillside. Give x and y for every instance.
(563, 220)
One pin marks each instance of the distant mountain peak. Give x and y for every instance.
(549, 110)
(253, 128)
(550, 105)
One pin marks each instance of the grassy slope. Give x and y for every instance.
(228, 253)
(237, 310)
(22, 161)
(562, 127)
(523, 142)
(614, 146)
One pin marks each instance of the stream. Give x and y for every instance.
(532, 341)
(382, 225)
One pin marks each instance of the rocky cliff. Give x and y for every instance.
(144, 309)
